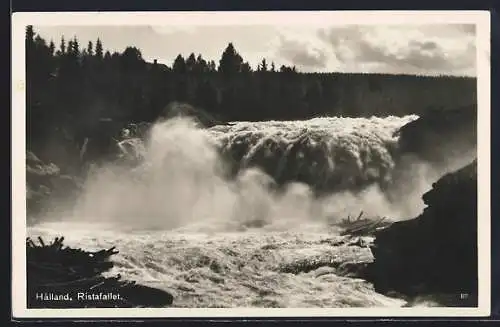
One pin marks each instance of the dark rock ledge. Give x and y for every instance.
(434, 254)
(63, 277)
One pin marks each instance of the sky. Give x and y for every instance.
(445, 49)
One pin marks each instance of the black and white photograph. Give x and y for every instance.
(251, 163)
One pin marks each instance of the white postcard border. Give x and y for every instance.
(319, 18)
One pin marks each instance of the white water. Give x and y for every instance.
(232, 269)
(181, 225)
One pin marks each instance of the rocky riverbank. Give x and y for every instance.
(436, 252)
(64, 277)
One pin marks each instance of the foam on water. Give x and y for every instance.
(181, 224)
(234, 269)
(336, 153)
(182, 178)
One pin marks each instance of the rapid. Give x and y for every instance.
(244, 214)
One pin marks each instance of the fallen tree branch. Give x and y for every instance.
(76, 275)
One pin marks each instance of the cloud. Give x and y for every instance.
(301, 54)
(170, 29)
(410, 49)
(447, 49)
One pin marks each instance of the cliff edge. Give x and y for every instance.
(436, 252)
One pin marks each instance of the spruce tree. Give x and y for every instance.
(201, 65)
(191, 63)
(90, 48)
(179, 65)
(62, 46)
(30, 34)
(231, 61)
(98, 49)
(52, 48)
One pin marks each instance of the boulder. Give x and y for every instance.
(98, 141)
(45, 181)
(443, 137)
(436, 252)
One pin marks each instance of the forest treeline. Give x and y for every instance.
(72, 86)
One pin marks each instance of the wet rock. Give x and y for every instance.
(44, 182)
(443, 137)
(352, 269)
(309, 264)
(436, 252)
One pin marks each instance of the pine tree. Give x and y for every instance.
(90, 48)
(98, 49)
(230, 61)
(131, 58)
(246, 68)
(212, 67)
(30, 34)
(191, 63)
(179, 65)
(52, 48)
(201, 65)
(70, 47)
(133, 53)
(76, 47)
(30, 42)
(107, 55)
(39, 41)
(62, 46)
(263, 65)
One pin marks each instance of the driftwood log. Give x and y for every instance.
(363, 226)
(63, 277)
